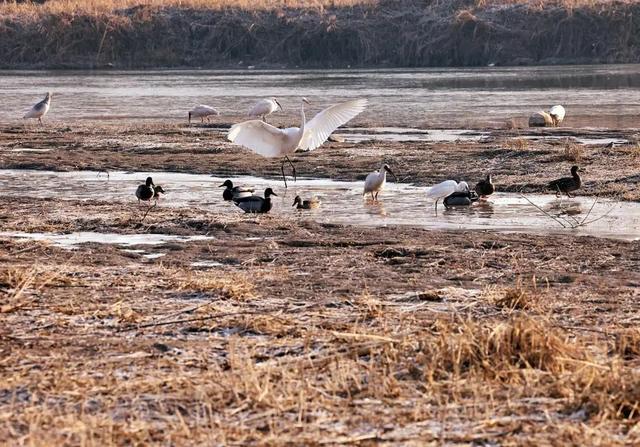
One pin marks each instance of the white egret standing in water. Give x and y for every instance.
(269, 141)
(446, 188)
(265, 107)
(376, 180)
(40, 109)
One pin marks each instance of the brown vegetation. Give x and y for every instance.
(324, 33)
(305, 335)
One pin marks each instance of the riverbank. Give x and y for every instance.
(327, 35)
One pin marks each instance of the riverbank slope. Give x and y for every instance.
(125, 34)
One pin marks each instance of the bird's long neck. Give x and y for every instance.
(303, 119)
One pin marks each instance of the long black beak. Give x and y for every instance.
(279, 105)
(274, 194)
(391, 172)
(220, 186)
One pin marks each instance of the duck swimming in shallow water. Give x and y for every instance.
(256, 204)
(234, 192)
(567, 184)
(306, 204)
(376, 180)
(485, 187)
(461, 198)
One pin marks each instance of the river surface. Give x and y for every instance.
(594, 96)
(400, 204)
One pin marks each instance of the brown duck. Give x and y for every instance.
(567, 184)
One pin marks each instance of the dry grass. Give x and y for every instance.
(104, 6)
(517, 144)
(573, 151)
(232, 33)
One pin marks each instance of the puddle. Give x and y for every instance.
(206, 264)
(28, 149)
(72, 240)
(342, 203)
(586, 141)
(401, 134)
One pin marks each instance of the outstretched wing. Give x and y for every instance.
(260, 137)
(324, 123)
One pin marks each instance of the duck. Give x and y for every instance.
(265, 107)
(460, 198)
(40, 109)
(256, 204)
(203, 112)
(148, 191)
(567, 184)
(376, 180)
(485, 187)
(234, 192)
(312, 203)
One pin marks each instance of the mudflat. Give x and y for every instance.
(280, 329)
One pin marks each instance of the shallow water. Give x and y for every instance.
(398, 134)
(72, 240)
(595, 95)
(342, 202)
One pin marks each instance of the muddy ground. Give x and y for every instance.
(517, 162)
(308, 333)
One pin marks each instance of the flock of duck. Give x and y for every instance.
(271, 142)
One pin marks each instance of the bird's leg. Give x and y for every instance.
(283, 177)
(292, 167)
(372, 198)
(377, 195)
(436, 206)
(40, 121)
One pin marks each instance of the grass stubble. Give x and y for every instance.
(113, 352)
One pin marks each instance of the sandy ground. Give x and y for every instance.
(307, 333)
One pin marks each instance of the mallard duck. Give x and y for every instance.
(148, 191)
(234, 192)
(256, 204)
(40, 109)
(376, 180)
(202, 112)
(567, 184)
(464, 198)
(485, 187)
(306, 204)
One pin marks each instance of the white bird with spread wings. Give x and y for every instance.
(269, 141)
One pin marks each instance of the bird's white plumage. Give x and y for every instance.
(558, 113)
(462, 187)
(202, 111)
(443, 189)
(376, 180)
(322, 125)
(263, 138)
(40, 109)
(269, 141)
(264, 107)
